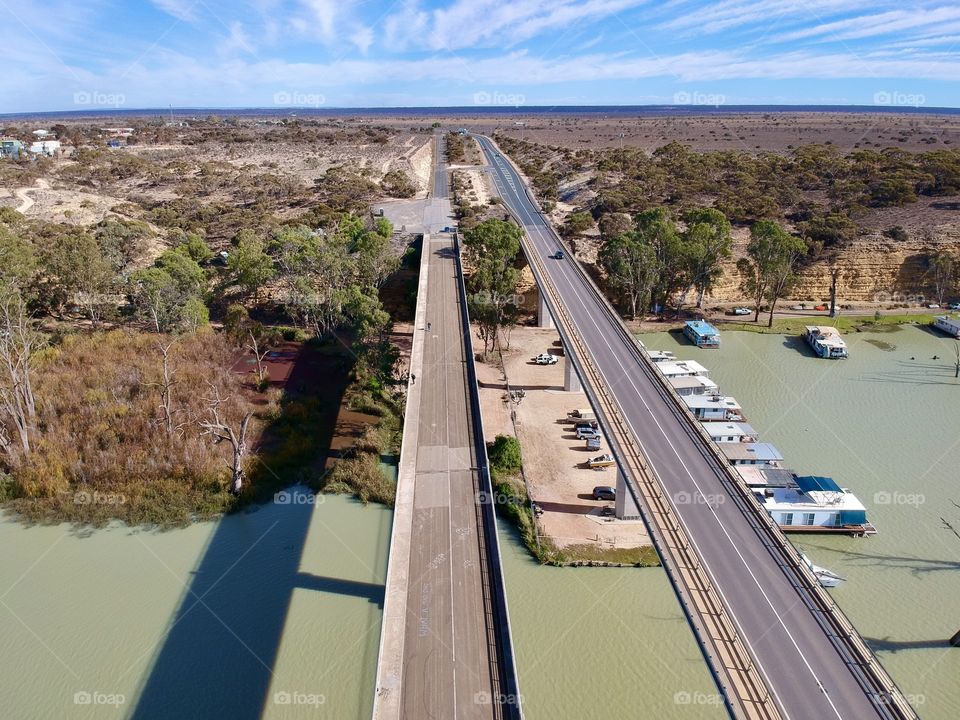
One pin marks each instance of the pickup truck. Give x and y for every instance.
(545, 359)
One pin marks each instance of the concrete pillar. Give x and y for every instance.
(571, 381)
(622, 492)
(544, 318)
(955, 640)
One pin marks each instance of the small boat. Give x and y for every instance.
(827, 578)
(601, 461)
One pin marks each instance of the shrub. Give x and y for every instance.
(504, 454)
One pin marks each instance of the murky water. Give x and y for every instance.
(275, 613)
(271, 612)
(886, 424)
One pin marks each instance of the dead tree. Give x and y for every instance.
(260, 356)
(18, 341)
(165, 386)
(220, 431)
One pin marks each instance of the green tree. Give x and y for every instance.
(249, 263)
(768, 268)
(943, 268)
(655, 227)
(157, 297)
(631, 266)
(707, 244)
(18, 261)
(491, 248)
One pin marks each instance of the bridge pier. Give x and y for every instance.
(544, 318)
(571, 381)
(625, 508)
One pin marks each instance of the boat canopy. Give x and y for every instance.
(814, 483)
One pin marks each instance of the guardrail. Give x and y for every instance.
(873, 678)
(507, 698)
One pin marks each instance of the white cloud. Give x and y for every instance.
(886, 23)
(180, 9)
(362, 37)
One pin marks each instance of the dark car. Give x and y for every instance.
(604, 492)
(558, 255)
(586, 425)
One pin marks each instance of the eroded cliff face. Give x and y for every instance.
(875, 269)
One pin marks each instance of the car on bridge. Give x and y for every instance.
(545, 359)
(558, 255)
(604, 492)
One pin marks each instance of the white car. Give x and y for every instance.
(545, 359)
(933, 306)
(954, 306)
(742, 311)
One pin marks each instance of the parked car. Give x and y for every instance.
(593, 443)
(821, 307)
(741, 311)
(586, 433)
(558, 255)
(545, 359)
(584, 424)
(604, 492)
(933, 306)
(800, 306)
(954, 306)
(584, 414)
(608, 511)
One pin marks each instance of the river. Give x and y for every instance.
(276, 612)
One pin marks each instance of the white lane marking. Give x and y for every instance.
(564, 271)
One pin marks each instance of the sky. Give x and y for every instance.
(103, 54)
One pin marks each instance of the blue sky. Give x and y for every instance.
(67, 55)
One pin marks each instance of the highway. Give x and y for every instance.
(807, 669)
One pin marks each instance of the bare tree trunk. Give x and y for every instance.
(220, 431)
(166, 388)
(18, 340)
(255, 346)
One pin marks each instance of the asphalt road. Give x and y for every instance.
(446, 652)
(799, 662)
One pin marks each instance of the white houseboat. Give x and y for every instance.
(825, 341)
(815, 504)
(751, 453)
(947, 324)
(714, 407)
(693, 385)
(730, 432)
(661, 356)
(681, 368)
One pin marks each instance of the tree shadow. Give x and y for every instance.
(887, 645)
(217, 656)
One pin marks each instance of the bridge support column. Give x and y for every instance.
(625, 508)
(955, 640)
(544, 319)
(571, 381)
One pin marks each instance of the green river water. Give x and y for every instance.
(277, 612)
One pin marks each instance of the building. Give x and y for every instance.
(947, 324)
(693, 385)
(702, 334)
(815, 504)
(11, 147)
(659, 356)
(45, 147)
(713, 407)
(826, 341)
(751, 453)
(730, 432)
(681, 368)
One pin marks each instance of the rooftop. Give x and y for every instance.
(764, 452)
(711, 401)
(676, 368)
(766, 476)
(721, 427)
(692, 381)
(826, 335)
(702, 327)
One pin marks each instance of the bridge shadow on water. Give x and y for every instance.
(218, 654)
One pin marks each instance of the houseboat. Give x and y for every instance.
(947, 324)
(658, 356)
(825, 341)
(702, 334)
(751, 453)
(713, 407)
(730, 432)
(681, 368)
(815, 504)
(693, 385)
